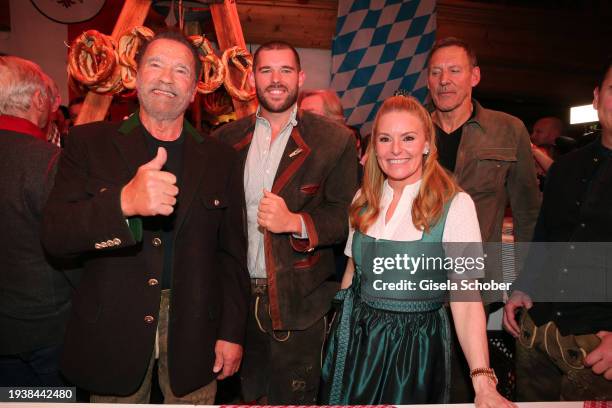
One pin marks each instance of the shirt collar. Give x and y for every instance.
(160, 142)
(476, 116)
(292, 118)
(410, 189)
(20, 125)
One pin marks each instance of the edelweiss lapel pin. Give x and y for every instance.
(295, 152)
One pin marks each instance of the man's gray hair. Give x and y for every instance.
(19, 80)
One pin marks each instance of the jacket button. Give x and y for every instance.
(153, 282)
(149, 319)
(156, 242)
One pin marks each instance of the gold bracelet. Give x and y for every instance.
(487, 372)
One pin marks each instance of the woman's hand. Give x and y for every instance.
(487, 395)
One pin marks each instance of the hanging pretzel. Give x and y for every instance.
(112, 85)
(92, 58)
(201, 43)
(128, 77)
(243, 61)
(128, 46)
(213, 73)
(213, 70)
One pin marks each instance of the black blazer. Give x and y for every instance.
(109, 339)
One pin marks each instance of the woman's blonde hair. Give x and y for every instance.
(437, 187)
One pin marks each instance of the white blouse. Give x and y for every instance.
(461, 221)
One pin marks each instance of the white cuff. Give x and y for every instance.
(304, 234)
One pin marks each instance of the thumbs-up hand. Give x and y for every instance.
(274, 215)
(158, 161)
(151, 191)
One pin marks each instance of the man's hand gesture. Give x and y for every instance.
(517, 300)
(151, 191)
(274, 215)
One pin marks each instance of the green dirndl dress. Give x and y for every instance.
(389, 348)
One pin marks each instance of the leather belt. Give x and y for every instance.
(259, 281)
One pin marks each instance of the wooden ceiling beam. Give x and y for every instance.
(305, 23)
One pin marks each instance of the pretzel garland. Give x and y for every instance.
(98, 64)
(213, 70)
(128, 46)
(92, 58)
(242, 60)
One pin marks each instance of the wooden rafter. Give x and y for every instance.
(229, 34)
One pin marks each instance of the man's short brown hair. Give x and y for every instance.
(455, 42)
(277, 45)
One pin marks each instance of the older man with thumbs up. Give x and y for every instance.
(154, 209)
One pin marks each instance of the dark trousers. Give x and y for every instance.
(282, 366)
(38, 368)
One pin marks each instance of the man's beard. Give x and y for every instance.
(288, 103)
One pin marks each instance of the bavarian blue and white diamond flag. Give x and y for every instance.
(380, 47)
